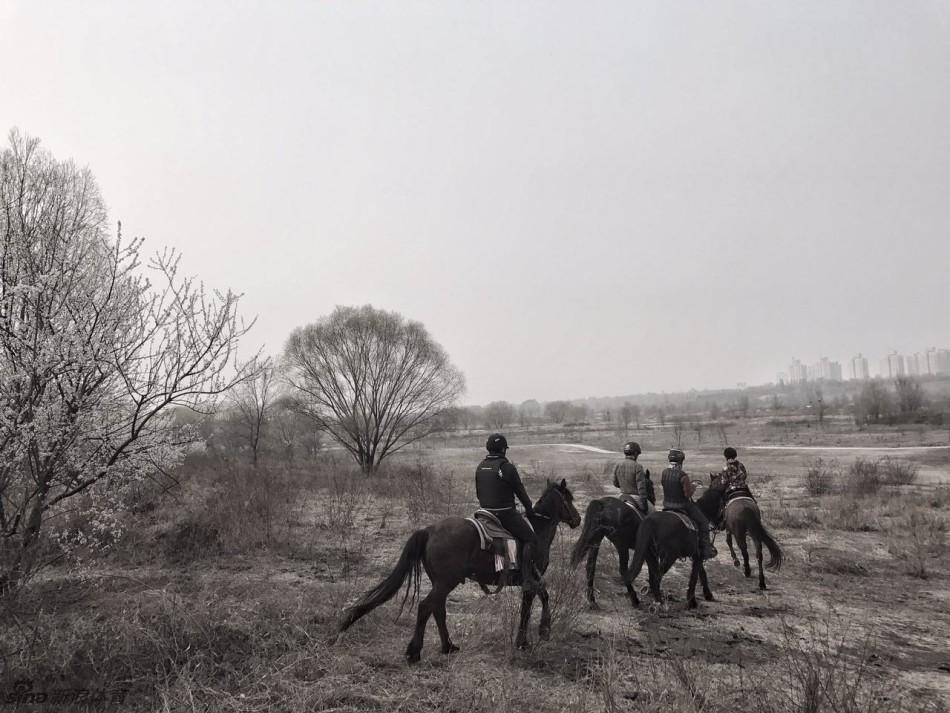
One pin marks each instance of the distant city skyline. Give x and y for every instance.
(932, 361)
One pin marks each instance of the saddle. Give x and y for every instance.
(734, 496)
(634, 501)
(741, 493)
(684, 517)
(496, 539)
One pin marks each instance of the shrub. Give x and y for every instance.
(864, 478)
(915, 538)
(844, 513)
(897, 472)
(820, 476)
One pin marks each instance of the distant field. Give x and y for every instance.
(224, 596)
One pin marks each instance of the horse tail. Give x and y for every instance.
(776, 556)
(593, 519)
(408, 569)
(646, 534)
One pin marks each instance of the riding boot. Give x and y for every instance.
(529, 571)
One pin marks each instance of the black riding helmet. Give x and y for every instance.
(496, 443)
(676, 456)
(632, 448)
(730, 453)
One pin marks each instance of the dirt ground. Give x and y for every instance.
(224, 629)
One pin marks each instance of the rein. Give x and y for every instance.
(545, 515)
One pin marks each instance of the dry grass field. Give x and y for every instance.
(223, 595)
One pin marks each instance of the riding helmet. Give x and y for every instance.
(632, 448)
(496, 443)
(676, 456)
(730, 453)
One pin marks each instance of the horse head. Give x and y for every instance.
(559, 500)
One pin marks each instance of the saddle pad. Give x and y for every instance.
(686, 519)
(487, 539)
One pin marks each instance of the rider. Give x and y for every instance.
(496, 484)
(734, 473)
(632, 479)
(677, 493)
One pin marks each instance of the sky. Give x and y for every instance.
(576, 199)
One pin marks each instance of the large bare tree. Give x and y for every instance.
(93, 355)
(374, 381)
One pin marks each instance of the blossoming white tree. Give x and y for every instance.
(93, 354)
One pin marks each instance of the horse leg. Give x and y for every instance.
(691, 589)
(438, 611)
(744, 548)
(624, 554)
(426, 607)
(592, 570)
(758, 556)
(657, 570)
(527, 600)
(704, 580)
(544, 630)
(735, 560)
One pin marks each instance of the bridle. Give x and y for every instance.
(563, 502)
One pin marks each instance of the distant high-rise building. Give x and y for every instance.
(938, 361)
(910, 365)
(859, 368)
(892, 366)
(797, 373)
(828, 370)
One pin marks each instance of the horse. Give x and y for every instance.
(741, 518)
(663, 538)
(607, 517)
(450, 551)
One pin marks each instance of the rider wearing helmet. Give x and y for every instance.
(677, 493)
(632, 479)
(496, 484)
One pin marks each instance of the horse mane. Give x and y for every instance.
(713, 493)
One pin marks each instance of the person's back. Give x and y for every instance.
(734, 472)
(632, 479)
(677, 493)
(497, 484)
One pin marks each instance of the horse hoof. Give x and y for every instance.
(450, 649)
(748, 574)
(522, 644)
(692, 604)
(412, 656)
(762, 586)
(709, 597)
(593, 606)
(544, 634)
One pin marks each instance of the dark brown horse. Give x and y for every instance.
(609, 518)
(663, 538)
(742, 518)
(450, 552)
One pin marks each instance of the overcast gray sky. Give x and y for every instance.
(575, 198)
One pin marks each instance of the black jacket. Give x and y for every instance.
(497, 483)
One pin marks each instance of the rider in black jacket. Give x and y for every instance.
(496, 484)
